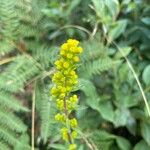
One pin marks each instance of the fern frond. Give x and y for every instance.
(24, 143)
(17, 73)
(44, 108)
(4, 146)
(8, 136)
(8, 101)
(31, 18)
(95, 59)
(9, 25)
(96, 66)
(12, 122)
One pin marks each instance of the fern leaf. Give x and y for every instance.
(12, 122)
(9, 23)
(17, 73)
(4, 146)
(96, 66)
(43, 106)
(8, 136)
(95, 59)
(8, 101)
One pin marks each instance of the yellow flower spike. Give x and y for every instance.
(72, 147)
(64, 79)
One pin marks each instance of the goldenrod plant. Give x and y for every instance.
(64, 79)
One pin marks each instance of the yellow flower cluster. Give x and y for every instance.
(64, 79)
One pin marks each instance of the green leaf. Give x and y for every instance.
(117, 29)
(121, 117)
(125, 50)
(106, 110)
(24, 143)
(123, 143)
(146, 75)
(145, 131)
(72, 5)
(99, 7)
(103, 139)
(142, 145)
(146, 20)
(90, 92)
(103, 135)
(105, 145)
(113, 6)
(58, 146)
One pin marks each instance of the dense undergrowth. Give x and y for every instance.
(111, 113)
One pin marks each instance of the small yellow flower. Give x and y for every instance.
(74, 134)
(62, 95)
(62, 53)
(72, 42)
(74, 99)
(64, 132)
(72, 72)
(73, 49)
(69, 55)
(76, 58)
(72, 147)
(66, 64)
(64, 46)
(60, 104)
(80, 50)
(73, 123)
(54, 91)
(59, 117)
(63, 90)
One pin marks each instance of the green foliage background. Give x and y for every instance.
(111, 112)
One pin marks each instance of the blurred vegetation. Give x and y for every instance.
(111, 113)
